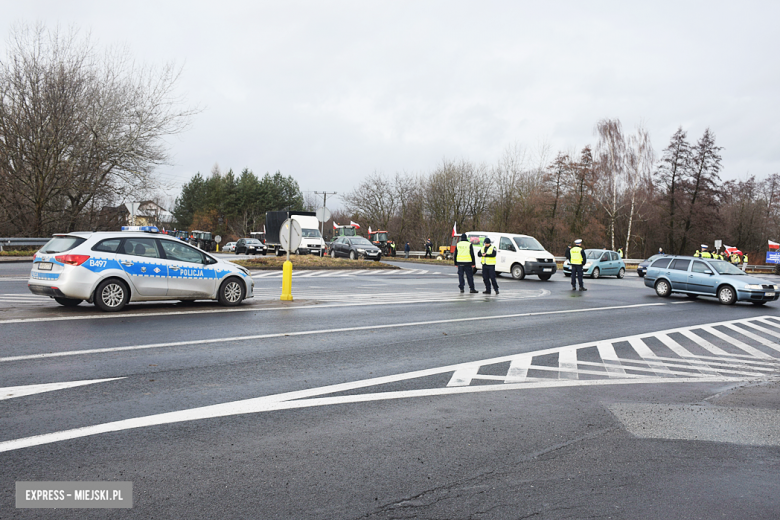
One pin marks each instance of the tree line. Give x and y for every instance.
(616, 193)
(234, 205)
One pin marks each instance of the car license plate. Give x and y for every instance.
(548, 269)
(770, 294)
(44, 266)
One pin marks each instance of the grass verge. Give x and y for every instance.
(16, 253)
(309, 262)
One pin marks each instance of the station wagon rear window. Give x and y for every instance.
(108, 246)
(661, 263)
(61, 244)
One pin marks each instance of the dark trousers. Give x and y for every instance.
(469, 275)
(576, 270)
(428, 253)
(489, 276)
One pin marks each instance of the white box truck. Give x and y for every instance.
(311, 242)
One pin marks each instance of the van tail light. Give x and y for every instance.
(72, 259)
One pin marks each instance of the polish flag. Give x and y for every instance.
(354, 224)
(774, 245)
(731, 250)
(455, 229)
(335, 226)
(369, 229)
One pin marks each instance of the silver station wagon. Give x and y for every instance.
(707, 277)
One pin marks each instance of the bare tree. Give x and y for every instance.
(76, 127)
(374, 200)
(640, 159)
(611, 154)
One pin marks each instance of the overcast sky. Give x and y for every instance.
(329, 92)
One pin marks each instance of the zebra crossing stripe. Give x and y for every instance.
(737, 343)
(518, 368)
(703, 343)
(754, 337)
(567, 363)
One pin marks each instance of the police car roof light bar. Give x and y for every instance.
(148, 229)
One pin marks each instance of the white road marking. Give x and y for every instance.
(350, 302)
(9, 392)
(310, 332)
(468, 371)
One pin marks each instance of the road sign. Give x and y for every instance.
(773, 257)
(218, 239)
(290, 235)
(718, 243)
(323, 214)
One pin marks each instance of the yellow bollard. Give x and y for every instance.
(287, 281)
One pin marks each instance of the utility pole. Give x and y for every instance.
(324, 200)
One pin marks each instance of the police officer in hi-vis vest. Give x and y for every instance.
(488, 255)
(464, 259)
(576, 258)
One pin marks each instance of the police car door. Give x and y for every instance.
(141, 260)
(189, 273)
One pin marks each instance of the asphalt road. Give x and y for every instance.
(391, 395)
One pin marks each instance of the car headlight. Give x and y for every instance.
(566, 262)
(753, 287)
(587, 265)
(361, 250)
(777, 287)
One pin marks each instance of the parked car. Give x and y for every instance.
(250, 246)
(707, 277)
(599, 262)
(641, 269)
(230, 247)
(354, 248)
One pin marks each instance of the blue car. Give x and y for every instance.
(707, 277)
(641, 269)
(599, 262)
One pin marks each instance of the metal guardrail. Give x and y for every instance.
(10, 242)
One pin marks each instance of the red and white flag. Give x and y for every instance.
(774, 245)
(369, 229)
(335, 226)
(730, 250)
(455, 229)
(354, 224)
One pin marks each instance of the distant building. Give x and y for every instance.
(145, 213)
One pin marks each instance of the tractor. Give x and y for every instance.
(380, 240)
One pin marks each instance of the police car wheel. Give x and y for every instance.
(621, 273)
(111, 295)
(68, 302)
(231, 292)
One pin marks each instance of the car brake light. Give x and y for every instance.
(72, 259)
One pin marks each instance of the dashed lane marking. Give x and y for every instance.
(636, 359)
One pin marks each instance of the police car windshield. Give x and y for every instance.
(61, 244)
(311, 233)
(593, 253)
(528, 244)
(725, 268)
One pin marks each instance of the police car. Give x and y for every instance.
(137, 264)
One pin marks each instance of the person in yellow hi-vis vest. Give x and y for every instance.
(488, 255)
(576, 258)
(464, 259)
